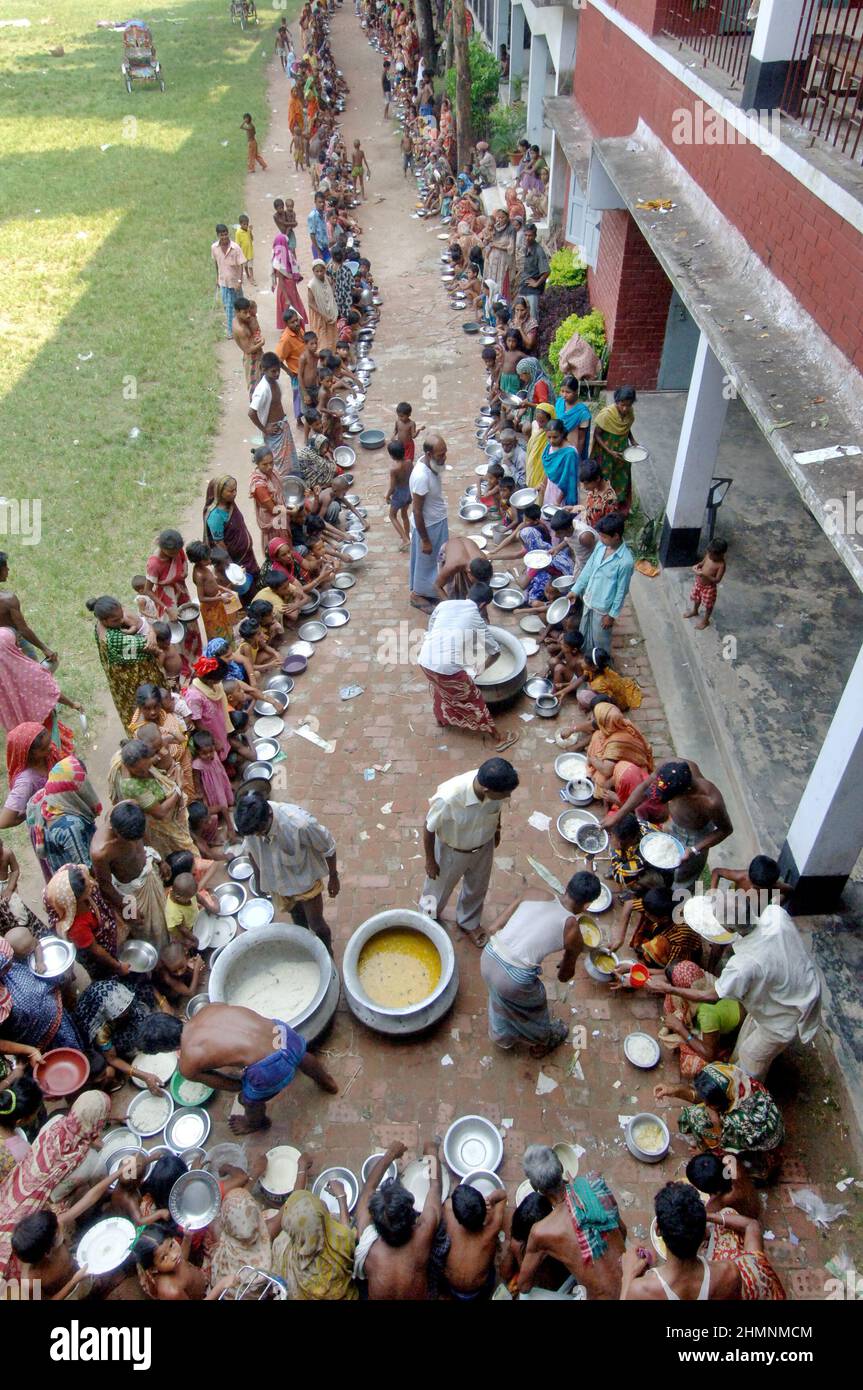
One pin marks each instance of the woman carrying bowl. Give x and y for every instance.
(78, 913)
(167, 570)
(267, 493)
(32, 1017)
(225, 525)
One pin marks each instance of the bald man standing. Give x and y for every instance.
(429, 527)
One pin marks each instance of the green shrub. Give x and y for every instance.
(484, 83)
(567, 269)
(506, 126)
(590, 326)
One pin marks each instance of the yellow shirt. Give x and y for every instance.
(270, 596)
(180, 915)
(246, 243)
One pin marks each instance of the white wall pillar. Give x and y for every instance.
(501, 26)
(826, 835)
(516, 52)
(558, 185)
(697, 450)
(536, 88)
(772, 49)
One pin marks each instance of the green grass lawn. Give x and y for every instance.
(107, 316)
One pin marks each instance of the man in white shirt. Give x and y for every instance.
(772, 975)
(429, 527)
(457, 646)
(461, 833)
(292, 853)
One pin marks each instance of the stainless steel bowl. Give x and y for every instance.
(593, 839)
(178, 633)
(569, 821)
(580, 792)
(352, 1188)
(269, 727)
(230, 897)
(256, 912)
(563, 583)
(278, 699)
(391, 1172)
(640, 1039)
(145, 1129)
(196, 1004)
(189, 612)
(352, 554)
(195, 1200)
(547, 706)
(500, 581)
(58, 956)
(241, 868)
(312, 604)
(508, 599)
(258, 770)
(140, 956)
(279, 685)
(485, 1181)
(266, 749)
(537, 686)
(345, 580)
(312, 632)
(187, 1128)
(645, 1117)
(557, 611)
(337, 617)
(524, 497)
(570, 767)
(472, 1142)
(473, 511)
(332, 598)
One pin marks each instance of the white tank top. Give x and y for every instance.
(703, 1293)
(534, 931)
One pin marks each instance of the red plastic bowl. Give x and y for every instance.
(638, 976)
(63, 1071)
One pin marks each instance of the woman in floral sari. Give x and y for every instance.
(729, 1111)
(57, 1150)
(285, 278)
(127, 650)
(61, 817)
(612, 434)
(78, 912)
(32, 1018)
(167, 569)
(150, 709)
(535, 382)
(314, 1252)
(133, 776)
(739, 1239)
(500, 252)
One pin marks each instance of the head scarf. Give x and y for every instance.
(206, 665)
(532, 367)
(617, 738)
(102, 1003)
(322, 296)
(615, 419)
(19, 741)
(281, 254)
(58, 1149)
(60, 900)
(314, 1253)
(27, 690)
(243, 1237)
(216, 647)
(7, 955)
(68, 792)
(213, 497)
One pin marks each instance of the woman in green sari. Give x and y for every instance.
(612, 434)
(729, 1111)
(127, 650)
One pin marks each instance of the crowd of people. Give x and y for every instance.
(184, 673)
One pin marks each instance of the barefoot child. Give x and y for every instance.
(568, 670)
(178, 975)
(264, 613)
(144, 604)
(169, 657)
(254, 647)
(359, 169)
(211, 779)
(204, 829)
(399, 494)
(242, 751)
(212, 596)
(245, 239)
(181, 910)
(405, 430)
(255, 156)
(709, 574)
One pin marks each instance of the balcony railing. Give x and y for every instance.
(717, 30)
(824, 86)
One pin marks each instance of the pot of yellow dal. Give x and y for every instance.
(400, 972)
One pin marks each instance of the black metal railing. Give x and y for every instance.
(717, 30)
(824, 85)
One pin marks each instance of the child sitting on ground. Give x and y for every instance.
(405, 429)
(286, 594)
(709, 574)
(508, 513)
(399, 494)
(177, 975)
(206, 831)
(568, 671)
(262, 610)
(255, 648)
(211, 779)
(627, 865)
(181, 911)
(490, 489)
(604, 680)
(332, 498)
(553, 639)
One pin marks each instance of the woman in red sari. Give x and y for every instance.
(166, 576)
(285, 278)
(265, 490)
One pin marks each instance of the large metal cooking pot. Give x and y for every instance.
(297, 943)
(416, 1017)
(496, 691)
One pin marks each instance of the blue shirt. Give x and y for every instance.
(317, 228)
(604, 581)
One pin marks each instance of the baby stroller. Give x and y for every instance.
(140, 63)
